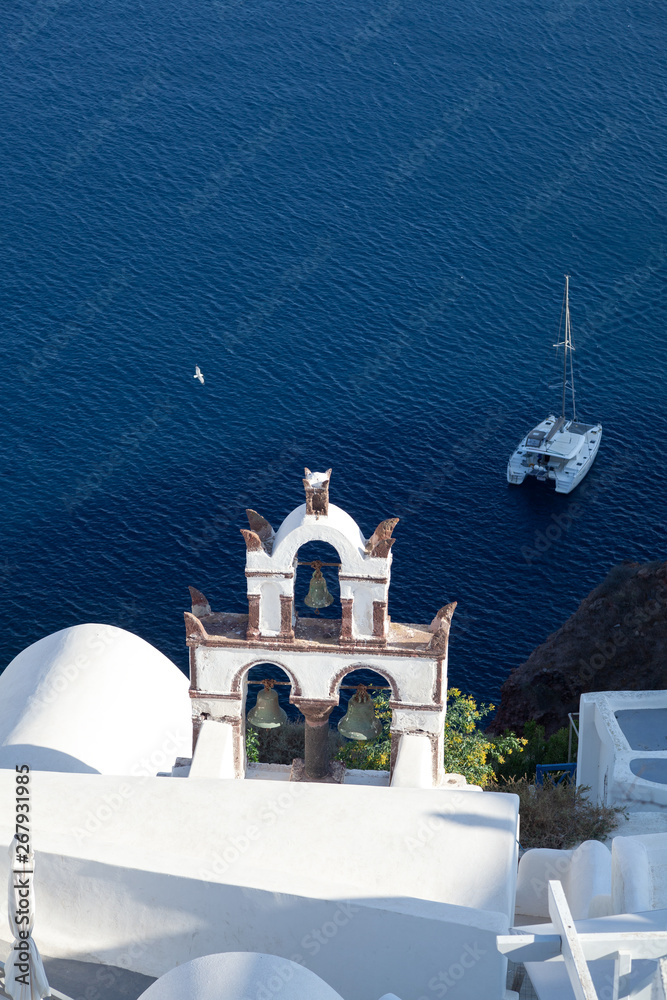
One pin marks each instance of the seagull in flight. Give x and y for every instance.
(198, 374)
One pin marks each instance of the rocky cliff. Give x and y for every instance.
(616, 640)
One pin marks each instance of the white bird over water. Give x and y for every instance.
(198, 374)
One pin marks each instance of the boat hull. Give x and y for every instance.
(562, 459)
(566, 485)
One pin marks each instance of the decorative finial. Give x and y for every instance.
(253, 542)
(316, 485)
(193, 627)
(440, 627)
(380, 542)
(200, 605)
(261, 527)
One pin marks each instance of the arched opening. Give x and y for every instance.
(303, 574)
(282, 744)
(374, 754)
(376, 683)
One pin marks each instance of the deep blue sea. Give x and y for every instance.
(356, 219)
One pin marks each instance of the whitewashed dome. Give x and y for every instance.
(96, 699)
(239, 975)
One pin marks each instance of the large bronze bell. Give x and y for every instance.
(360, 721)
(318, 595)
(267, 713)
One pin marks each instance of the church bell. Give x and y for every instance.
(318, 595)
(267, 713)
(360, 721)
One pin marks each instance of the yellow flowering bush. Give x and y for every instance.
(468, 751)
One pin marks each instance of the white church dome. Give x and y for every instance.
(96, 699)
(239, 975)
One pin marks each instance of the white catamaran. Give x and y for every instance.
(559, 449)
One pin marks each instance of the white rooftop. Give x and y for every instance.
(336, 841)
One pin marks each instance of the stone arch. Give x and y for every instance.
(327, 554)
(240, 687)
(337, 679)
(338, 529)
(240, 675)
(363, 576)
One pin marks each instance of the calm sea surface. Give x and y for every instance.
(356, 218)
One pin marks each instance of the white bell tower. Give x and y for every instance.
(316, 653)
(271, 563)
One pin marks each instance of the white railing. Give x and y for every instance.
(573, 726)
(578, 949)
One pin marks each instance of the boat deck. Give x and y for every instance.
(577, 428)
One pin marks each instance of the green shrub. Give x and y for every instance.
(252, 745)
(469, 751)
(559, 816)
(374, 755)
(276, 746)
(537, 750)
(281, 746)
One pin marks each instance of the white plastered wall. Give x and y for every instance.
(149, 873)
(605, 757)
(219, 669)
(269, 606)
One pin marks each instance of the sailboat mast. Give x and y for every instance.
(567, 352)
(566, 341)
(571, 350)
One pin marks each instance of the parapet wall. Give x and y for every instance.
(378, 890)
(149, 922)
(622, 754)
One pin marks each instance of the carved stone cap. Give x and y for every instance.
(194, 630)
(316, 712)
(440, 627)
(200, 605)
(253, 542)
(316, 485)
(380, 542)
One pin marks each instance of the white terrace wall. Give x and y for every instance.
(377, 889)
(149, 923)
(606, 762)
